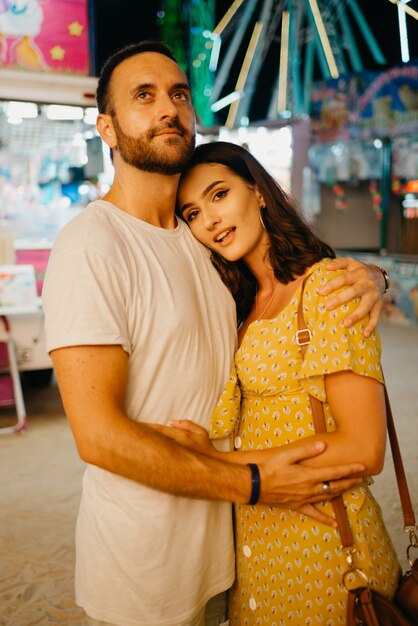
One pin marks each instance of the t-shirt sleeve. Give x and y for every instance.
(84, 301)
(227, 412)
(333, 347)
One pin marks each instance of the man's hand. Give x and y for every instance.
(310, 510)
(286, 482)
(363, 281)
(189, 435)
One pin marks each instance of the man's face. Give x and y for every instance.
(152, 114)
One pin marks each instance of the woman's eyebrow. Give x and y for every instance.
(202, 195)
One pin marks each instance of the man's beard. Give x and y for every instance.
(172, 157)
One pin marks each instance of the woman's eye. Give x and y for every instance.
(192, 215)
(220, 194)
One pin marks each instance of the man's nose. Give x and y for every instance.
(167, 107)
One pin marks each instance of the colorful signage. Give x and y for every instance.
(44, 35)
(366, 105)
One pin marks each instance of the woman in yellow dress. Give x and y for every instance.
(289, 564)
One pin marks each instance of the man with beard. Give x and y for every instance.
(141, 330)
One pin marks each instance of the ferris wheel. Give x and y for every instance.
(310, 33)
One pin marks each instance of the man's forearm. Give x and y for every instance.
(138, 452)
(93, 382)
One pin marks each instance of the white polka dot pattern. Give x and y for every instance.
(289, 568)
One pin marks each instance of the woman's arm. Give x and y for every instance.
(357, 404)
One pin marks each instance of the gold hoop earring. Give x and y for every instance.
(261, 218)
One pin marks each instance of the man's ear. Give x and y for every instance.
(106, 130)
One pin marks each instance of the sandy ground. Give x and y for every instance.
(40, 485)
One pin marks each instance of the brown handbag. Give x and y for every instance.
(365, 606)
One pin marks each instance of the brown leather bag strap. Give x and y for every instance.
(405, 496)
(303, 338)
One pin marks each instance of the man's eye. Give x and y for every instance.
(143, 94)
(180, 95)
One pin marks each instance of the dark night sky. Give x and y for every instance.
(120, 22)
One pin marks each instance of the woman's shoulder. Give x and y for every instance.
(318, 274)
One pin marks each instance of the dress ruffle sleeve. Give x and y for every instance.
(227, 411)
(333, 347)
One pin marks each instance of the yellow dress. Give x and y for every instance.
(289, 567)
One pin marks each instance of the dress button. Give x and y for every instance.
(253, 604)
(237, 442)
(247, 551)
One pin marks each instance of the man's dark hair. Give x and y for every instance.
(103, 91)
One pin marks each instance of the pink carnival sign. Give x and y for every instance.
(44, 35)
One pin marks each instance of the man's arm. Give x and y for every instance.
(92, 382)
(363, 281)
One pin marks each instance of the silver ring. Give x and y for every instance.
(326, 486)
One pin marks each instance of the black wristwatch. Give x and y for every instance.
(385, 278)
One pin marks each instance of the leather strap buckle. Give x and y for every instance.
(303, 337)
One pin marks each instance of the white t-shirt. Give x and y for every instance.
(144, 557)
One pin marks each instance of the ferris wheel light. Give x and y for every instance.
(244, 72)
(324, 38)
(227, 100)
(214, 57)
(284, 63)
(403, 33)
(227, 18)
(404, 7)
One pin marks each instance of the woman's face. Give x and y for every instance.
(222, 211)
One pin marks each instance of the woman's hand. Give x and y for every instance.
(363, 281)
(188, 434)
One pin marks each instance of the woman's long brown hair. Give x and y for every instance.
(293, 245)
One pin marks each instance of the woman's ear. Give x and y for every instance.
(259, 197)
(106, 129)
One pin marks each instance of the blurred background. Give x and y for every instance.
(181, 23)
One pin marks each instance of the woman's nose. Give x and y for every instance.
(211, 219)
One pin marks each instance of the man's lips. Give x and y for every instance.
(169, 131)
